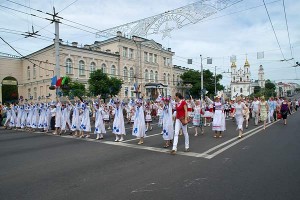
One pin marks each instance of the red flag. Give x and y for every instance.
(58, 82)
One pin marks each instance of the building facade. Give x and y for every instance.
(241, 82)
(136, 60)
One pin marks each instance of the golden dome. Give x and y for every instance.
(233, 64)
(247, 63)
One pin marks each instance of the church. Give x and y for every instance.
(241, 83)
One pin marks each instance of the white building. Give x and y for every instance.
(241, 82)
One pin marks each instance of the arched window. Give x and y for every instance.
(103, 67)
(241, 90)
(241, 79)
(168, 79)
(151, 76)
(29, 93)
(34, 71)
(146, 75)
(234, 89)
(178, 79)
(156, 77)
(234, 79)
(247, 78)
(173, 79)
(125, 73)
(81, 68)
(69, 68)
(113, 70)
(131, 74)
(34, 93)
(92, 67)
(165, 78)
(28, 72)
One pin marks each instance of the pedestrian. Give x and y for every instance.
(240, 108)
(218, 124)
(197, 118)
(247, 115)
(284, 109)
(255, 111)
(139, 126)
(263, 108)
(167, 122)
(99, 122)
(180, 122)
(118, 123)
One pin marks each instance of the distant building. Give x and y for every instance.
(286, 89)
(134, 60)
(241, 82)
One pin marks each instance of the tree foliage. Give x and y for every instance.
(101, 84)
(73, 88)
(194, 78)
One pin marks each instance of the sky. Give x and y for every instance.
(242, 30)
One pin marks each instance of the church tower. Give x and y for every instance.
(247, 76)
(261, 77)
(233, 72)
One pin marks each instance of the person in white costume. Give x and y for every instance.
(167, 121)
(118, 124)
(85, 125)
(99, 123)
(238, 113)
(57, 116)
(139, 126)
(218, 124)
(65, 117)
(197, 117)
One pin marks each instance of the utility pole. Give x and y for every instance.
(215, 81)
(201, 78)
(56, 43)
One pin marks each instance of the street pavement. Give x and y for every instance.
(264, 164)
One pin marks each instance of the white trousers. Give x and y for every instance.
(178, 126)
(255, 116)
(270, 116)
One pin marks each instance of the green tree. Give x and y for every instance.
(101, 84)
(73, 88)
(193, 77)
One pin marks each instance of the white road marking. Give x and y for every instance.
(138, 138)
(236, 142)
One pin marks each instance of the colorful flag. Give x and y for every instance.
(53, 80)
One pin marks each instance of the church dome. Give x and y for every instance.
(247, 63)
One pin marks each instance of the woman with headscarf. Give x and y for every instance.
(139, 126)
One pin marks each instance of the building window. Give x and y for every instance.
(41, 90)
(165, 61)
(146, 75)
(151, 57)
(92, 67)
(28, 72)
(126, 91)
(173, 79)
(168, 61)
(234, 89)
(69, 67)
(113, 70)
(146, 59)
(131, 53)
(151, 76)
(234, 79)
(29, 93)
(241, 90)
(156, 77)
(132, 92)
(34, 72)
(165, 78)
(155, 58)
(131, 74)
(81, 68)
(125, 52)
(34, 93)
(103, 68)
(125, 73)
(168, 79)
(178, 79)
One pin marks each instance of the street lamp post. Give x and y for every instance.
(201, 78)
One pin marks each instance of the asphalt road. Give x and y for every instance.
(263, 165)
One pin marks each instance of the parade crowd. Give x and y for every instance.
(81, 118)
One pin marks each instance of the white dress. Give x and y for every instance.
(42, 116)
(13, 117)
(24, 116)
(168, 129)
(19, 114)
(118, 124)
(58, 115)
(85, 124)
(65, 117)
(148, 117)
(218, 123)
(139, 126)
(99, 123)
(35, 116)
(29, 116)
(76, 117)
(239, 115)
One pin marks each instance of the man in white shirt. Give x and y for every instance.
(255, 112)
